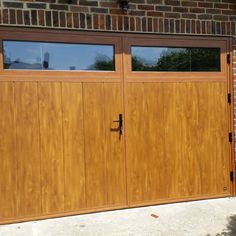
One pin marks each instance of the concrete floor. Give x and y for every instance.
(212, 217)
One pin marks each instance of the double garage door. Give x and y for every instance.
(94, 122)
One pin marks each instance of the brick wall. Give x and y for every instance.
(207, 17)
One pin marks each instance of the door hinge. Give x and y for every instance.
(230, 137)
(231, 176)
(228, 58)
(229, 97)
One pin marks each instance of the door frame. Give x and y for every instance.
(120, 40)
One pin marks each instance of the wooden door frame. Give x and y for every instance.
(120, 40)
(232, 108)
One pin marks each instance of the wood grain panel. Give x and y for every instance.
(73, 146)
(94, 138)
(8, 168)
(104, 154)
(27, 149)
(50, 115)
(114, 146)
(145, 143)
(176, 140)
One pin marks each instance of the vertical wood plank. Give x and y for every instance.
(27, 149)
(145, 143)
(50, 115)
(114, 146)
(94, 139)
(8, 168)
(73, 146)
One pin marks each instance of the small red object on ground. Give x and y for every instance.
(154, 216)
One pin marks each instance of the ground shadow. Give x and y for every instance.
(231, 227)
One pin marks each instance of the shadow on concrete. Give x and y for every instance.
(231, 227)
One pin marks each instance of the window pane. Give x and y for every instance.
(175, 59)
(58, 56)
(205, 59)
(22, 55)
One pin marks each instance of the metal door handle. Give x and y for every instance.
(120, 121)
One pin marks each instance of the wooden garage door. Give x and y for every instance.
(60, 145)
(84, 129)
(177, 120)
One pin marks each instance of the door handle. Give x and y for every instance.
(120, 121)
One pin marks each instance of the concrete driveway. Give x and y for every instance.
(211, 217)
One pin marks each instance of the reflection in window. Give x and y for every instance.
(57, 56)
(175, 59)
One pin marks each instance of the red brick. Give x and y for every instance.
(95, 21)
(154, 1)
(55, 19)
(19, 17)
(163, 8)
(116, 11)
(41, 17)
(180, 9)
(166, 26)
(5, 16)
(205, 17)
(172, 15)
(138, 24)
(69, 20)
(79, 9)
(177, 26)
(48, 18)
(189, 4)
(89, 21)
(26, 17)
(145, 7)
(197, 10)
(198, 27)
(193, 26)
(137, 13)
(132, 24)
(172, 25)
(188, 26)
(114, 22)
(144, 24)
(172, 2)
(205, 4)
(161, 25)
(189, 15)
(221, 5)
(126, 23)
(221, 17)
(34, 17)
(76, 20)
(155, 13)
(109, 4)
(182, 26)
(203, 26)
(62, 17)
(229, 12)
(155, 25)
(12, 16)
(213, 11)
(82, 20)
(120, 23)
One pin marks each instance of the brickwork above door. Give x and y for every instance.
(213, 17)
